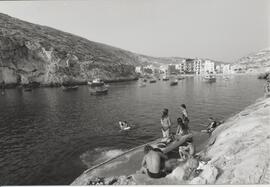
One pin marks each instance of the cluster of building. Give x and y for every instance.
(188, 66)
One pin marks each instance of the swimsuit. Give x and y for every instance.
(156, 175)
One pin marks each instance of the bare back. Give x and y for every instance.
(153, 162)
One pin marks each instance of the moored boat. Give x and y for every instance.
(210, 78)
(152, 81)
(142, 84)
(70, 88)
(180, 78)
(174, 83)
(27, 89)
(99, 90)
(96, 83)
(165, 78)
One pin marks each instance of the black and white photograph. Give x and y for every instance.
(134, 92)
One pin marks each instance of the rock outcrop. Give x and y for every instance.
(257, 62)
(241, 146)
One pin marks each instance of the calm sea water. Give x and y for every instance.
(49, 136)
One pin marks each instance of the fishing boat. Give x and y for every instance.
(70, 88)
(142, 85)
(210, 78)
(96, 83)
(180, 78)
(98, 90)
(165, 78)
(152, 81)
(129, 162)
(174, 83)
(27, 89)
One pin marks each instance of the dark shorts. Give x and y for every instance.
(156, 175)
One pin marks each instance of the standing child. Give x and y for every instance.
(165, 124)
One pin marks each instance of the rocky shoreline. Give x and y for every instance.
(238, 153)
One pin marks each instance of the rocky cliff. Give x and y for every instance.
(257, 61)
(34, 53)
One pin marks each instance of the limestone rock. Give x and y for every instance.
(207, 176)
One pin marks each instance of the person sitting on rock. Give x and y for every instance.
(212, 125)
(153, 163)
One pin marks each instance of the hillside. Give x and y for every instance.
(257, 61)
(30, 52)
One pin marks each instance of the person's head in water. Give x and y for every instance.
(165, 113)
(147, 148)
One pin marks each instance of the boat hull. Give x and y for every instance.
(174, 83)
(103, 92)
(72, 88)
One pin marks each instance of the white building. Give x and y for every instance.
(197, 66)
(163, 69)
(138, 69)
(226, 68)
(209, 66)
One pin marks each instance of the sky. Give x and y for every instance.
(222, 30)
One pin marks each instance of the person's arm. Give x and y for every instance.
(177, 130)
(143, 162)
(169, 122)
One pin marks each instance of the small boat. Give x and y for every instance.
(210, 78)
(27, 89)
(99, 90)
(152, 81)
(165, 78)
(181, 78)
(96, 83)
(174, 83)
(142, 84)
(70, 88)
